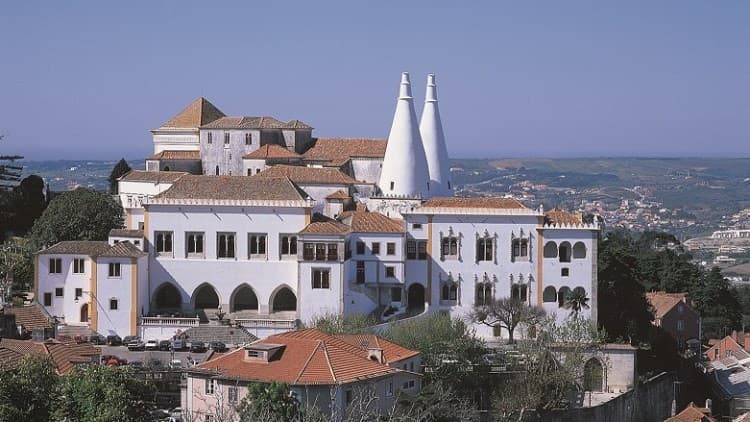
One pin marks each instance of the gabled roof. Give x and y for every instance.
(176, 155)
(323, 225)
(245, 122)
(272, 151)
(152, 176)
(473, 202)
(339, 194)
(122, 250)
(371, 222)
(64, 355)
(31, 317)
(308, 175)
(126, 233)
(692, 413)
(392, 352)
(305, 357)
(232, 188)
(195, 115)
(297, 124)
(337, 151)
(76, 247)
(558, 216)
(663, 302)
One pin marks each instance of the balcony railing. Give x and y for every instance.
(172, 321)
(287, 324)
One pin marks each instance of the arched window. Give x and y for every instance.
(217, 170)
(579, 250)
(550, 250)
(166, 168)
(205, 297)
(549, 294)
(449, 247)
(483, 294)
(167, 297)
(284, 300)
(449, 291)
(593, 375)
(485, 246)
(564, 252)
(562, 294)
(580, 291)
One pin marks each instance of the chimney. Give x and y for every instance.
(431, 130)
(376, 354)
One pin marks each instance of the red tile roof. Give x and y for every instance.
(371, 222)
(339, 194)
(306, 357)
(152, 176)
(392, 352)
(692, 413)
(272, 151)
(323, 225)
(472, 202)
(196, 114)
(308, 175)
(31, 317)
(176, 155)
(663, 302)
(245, 122)
(64, 355)
(558, 216)
(233, 188)
(337, 151)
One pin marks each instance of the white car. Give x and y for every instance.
(152, 345)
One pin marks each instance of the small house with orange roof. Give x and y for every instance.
(673, 314)
(692, 413)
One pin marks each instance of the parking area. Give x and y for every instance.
(150, 358)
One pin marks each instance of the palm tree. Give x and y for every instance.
(576, 301)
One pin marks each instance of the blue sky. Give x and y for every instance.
(89, 79)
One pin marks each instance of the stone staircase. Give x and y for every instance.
(223, 333)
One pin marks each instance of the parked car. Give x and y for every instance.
(178, 345)
(165, 345)
(129, 339)
(114, 340)
(136, 345)
(197, 347)
(218, 346)
(136, 364)
(152, 345)
(97, 340)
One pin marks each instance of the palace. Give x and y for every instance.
(255, 221)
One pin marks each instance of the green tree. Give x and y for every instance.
(120, 169)
(339, 324)
(26, 387)
(81, 214)
(102, 394)
(718, 304)
(268, 402)
(28, 203)
(576, 301)
(507, 313)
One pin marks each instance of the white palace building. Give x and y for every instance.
(255, 221)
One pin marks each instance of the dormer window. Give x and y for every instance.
(261, 352)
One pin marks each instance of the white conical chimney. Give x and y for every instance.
(431, 130)
(405, 171)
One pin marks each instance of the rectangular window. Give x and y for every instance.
(47, 299)
(209, 387)
(248, 139)
(564, 272)
(449, 247)
(232, 393)
(210, 418)
(680, 325)
(389, 389)
(360, 272)
(375, 248)
(55, 266)
(349, 394)
(408, 385)
(113, 304)
(321, 279)
(390, 272)
(114, 269)
(225, 245)
(360, 248)
(484, 249)
(395, 294)
(226, 138)
(194, 244)
(257, 245)
(520, 249)
(210, 138)
(288, 245)
(308, 251)
(416, 226)
(163, 243)
(79, 292)
(422, 250)
(333, 252)
(390, 248)
(411, 249)
(320, 251)
(58, 292)
(78, 265)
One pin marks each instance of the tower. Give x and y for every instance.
(431, 130)
(405, 172)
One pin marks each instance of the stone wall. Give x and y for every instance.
(649, 401)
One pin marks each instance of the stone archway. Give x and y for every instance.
(284, 300)
(593, 375)
(415, 297)
(205, 297)
(244, 298)
(85, 312)
(167, 297)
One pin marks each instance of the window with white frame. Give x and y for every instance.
(449, 291)
(78, 267)
(375, 248)
(485, 248)
(113, 304)
(55, 266)
(321, 278)
(288, 245)
(225, 245)
(416, 249)
(163, 243)
(59, 292)
(256, 245)
(390, 271)
(390, 248)
(194, 244)
(210, 385)
(114, 269)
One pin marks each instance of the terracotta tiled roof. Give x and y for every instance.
(692, 413)
(123, 250)
(323, 225)
(176, 155)
(272, 151)
(63, 355)
(245, 122)
(337, 151)
(371, 222)
(392, 352)
(233, 188)
(152, 176)
(31, 317)
(472, 202)
(305, 358)
(308, 175)
(663, 302)
(297, 124)
(195, 115)
(558, 216)
(76, 247)
(126, 233)
(339, 194)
